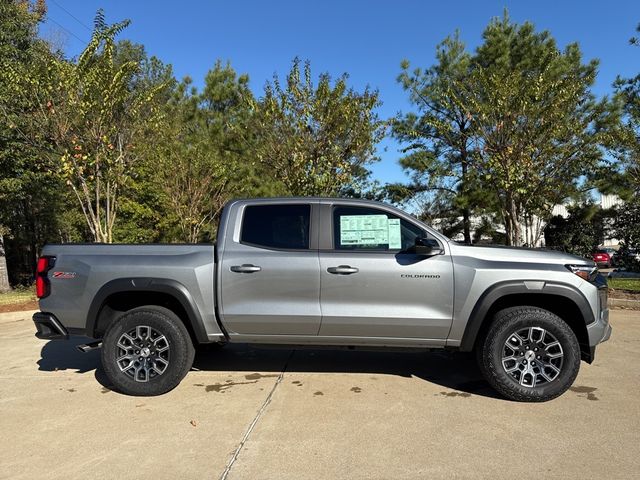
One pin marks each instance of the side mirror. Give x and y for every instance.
(426, 246)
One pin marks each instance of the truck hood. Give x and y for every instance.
(517, 254)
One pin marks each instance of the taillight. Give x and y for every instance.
(43, 287)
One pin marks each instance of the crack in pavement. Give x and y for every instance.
(252, 425)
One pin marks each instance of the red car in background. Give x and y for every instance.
(602, 258)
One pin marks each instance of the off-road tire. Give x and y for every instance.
(490, 353)
(181, 350)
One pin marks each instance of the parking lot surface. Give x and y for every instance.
(264, 413)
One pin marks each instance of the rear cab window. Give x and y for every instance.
(282, 227)
(370, 229)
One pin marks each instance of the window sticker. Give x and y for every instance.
(364, 230)
(395, 239)
(370, 230)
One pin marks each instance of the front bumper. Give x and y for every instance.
(600, 330)
(49, 327)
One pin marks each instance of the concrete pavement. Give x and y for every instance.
(266, 413)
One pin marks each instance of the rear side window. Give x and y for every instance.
(276, 226)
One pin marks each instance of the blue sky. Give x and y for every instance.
(366, 39)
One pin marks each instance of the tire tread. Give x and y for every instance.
(505, 320)
(182, 351)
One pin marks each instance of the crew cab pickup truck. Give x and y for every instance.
(323, 271)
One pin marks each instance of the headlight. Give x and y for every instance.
(586, 272)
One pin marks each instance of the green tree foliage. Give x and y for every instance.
(534, 120)
(142, 209)
(626, 224)
(96, 118)
(31, 194)
(318, 138)
(580, 233)
(627, 148)
(520, 110)
(438, 137)
(201, 153)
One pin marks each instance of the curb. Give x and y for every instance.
(624, 303)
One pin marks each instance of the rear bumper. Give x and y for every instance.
(49, 327)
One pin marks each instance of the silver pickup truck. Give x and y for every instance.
(323, 271)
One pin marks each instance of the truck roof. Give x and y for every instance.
(309, 199)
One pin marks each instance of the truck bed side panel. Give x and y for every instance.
(88, 268)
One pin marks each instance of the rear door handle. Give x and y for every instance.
(342, 270)
(245, 268)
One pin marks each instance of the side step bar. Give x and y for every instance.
(87, 347)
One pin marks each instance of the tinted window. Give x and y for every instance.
(360, 228)
(276, 226)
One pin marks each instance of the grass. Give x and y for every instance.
(18, 295)
(632, 284)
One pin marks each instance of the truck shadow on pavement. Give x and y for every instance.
(56, 355)
(456, 372)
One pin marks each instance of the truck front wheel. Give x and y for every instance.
(529, 354)
(147, 351)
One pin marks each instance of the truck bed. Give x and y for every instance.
(96, 269)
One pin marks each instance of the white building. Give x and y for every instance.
(532, 230)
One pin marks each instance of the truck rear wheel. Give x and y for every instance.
(147, 351)
(529, 354)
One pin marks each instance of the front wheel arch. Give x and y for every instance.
(561, 300)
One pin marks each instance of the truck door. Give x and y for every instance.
(270, 271)
(370, 285)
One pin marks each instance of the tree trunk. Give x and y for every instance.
(512, 223)
(4, 273)
(516, 231)
(466, 225)
(507, 228)
(466, 213)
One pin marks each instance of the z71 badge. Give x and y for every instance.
(64, 274)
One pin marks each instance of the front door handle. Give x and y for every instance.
(342, 270)
(245, 268)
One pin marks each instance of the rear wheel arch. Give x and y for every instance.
(562, 300)
(121, 295)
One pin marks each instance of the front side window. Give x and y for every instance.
(361, 228)
(276, 226)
